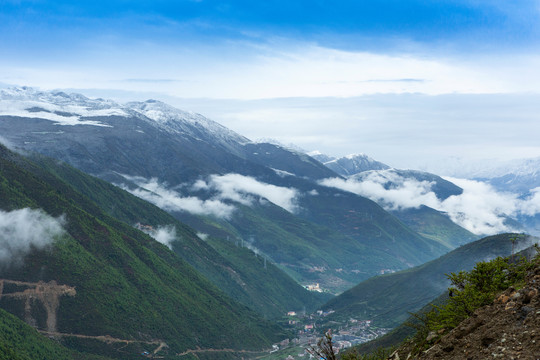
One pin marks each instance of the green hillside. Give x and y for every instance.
(308, 252)
(337, 241)
(435, 225)
(237, 271)
(370, 225)
(387, 299)
(128, 286)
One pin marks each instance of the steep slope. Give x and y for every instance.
(507, 328)
(387, 299)
(235, 270)
(370, 225)
(117, 280)
(435, 225)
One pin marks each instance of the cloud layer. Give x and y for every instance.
(223, 189)
(158, 194)
(246, 190)
(480, 208)
(26, 229)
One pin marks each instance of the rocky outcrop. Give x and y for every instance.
(507, 329)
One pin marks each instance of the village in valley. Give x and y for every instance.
(309, 328)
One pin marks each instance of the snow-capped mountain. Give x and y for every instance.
(350, 164)
(519, 176)
(58, 107)
(173, 119)
(76, 109)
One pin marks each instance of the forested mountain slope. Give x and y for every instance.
(98, 277)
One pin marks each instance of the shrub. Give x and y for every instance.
(468, 292)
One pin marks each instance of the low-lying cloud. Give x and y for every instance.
(26, 229)
(405, 192)
(223, 190)
(245, 190)
(531, 205)
(480, 208)
(170, 200)
(164, 234)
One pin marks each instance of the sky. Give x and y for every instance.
(413, 83)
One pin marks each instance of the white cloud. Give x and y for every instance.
(407, 192)
(164, 234)
(169, 200)
(284, 69)
(242, 188)
(26, 229)
(480, 208)
(413, 131)
(531, 205)
(202, 236)
(7, 143)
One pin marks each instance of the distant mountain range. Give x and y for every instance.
(518, 176)
(516, 183)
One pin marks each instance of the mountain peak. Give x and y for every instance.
(355, 156)
(72, 109)
(161, 112)
(176, 120)
(352, 164)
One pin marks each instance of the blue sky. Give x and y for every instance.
(258, 55)
(164, 21)
(138, 37)
(72, 29)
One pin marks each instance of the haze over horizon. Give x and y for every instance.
(415, 84)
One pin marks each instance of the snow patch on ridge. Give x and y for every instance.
(176, 120)
(59, 107)
(76, 109)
